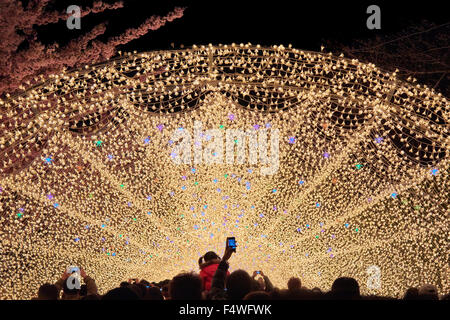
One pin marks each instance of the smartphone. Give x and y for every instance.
(258, 272)
(72, 269)
(231, 243)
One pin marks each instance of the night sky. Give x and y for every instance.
(306, 25)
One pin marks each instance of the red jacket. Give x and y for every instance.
(207, 274)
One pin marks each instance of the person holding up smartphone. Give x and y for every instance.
(231, 243)
(71, 292)
(263, 281)
(133, 281)
(218, 290)
(208, 264)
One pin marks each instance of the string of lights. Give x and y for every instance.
(87, 175)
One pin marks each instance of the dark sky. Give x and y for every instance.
(305, 24)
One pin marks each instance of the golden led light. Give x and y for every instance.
(87, 176)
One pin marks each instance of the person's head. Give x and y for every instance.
(165, 291)
(294, 283)
(164, 283)
(153, 293)
(186, 286)
(238, 284)
(316, 290)
(256, 285)
(257, 295)
(298, 294)
(123, 293)
(345, 288)
(208, 257)
(411, 294)
(428, 292)
(124, 284)
(316, 293)
(145, 283)
(48, 292)
(140, 289)
(262, 283)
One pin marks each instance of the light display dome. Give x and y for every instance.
(358, 184)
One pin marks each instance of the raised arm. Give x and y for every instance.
(91, 286)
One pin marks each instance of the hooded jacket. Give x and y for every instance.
(208, 269)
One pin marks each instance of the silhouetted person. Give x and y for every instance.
(123, 293)
(238, 284)
(263, 283)
(428, 292)
(83, 290)
(139, 288)
(257, 285)
(48, 292)
(294, 283)
(257, 295)
(316, 293)
(153, 293)
(298, 294)
(345, 289)
(411, 294)
(186, 286)
(165, 291)
(72, 293)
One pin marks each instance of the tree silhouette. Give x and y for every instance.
(420, 52)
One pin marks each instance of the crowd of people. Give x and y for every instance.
(214, 282)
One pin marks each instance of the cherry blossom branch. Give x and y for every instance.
(23, 56)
